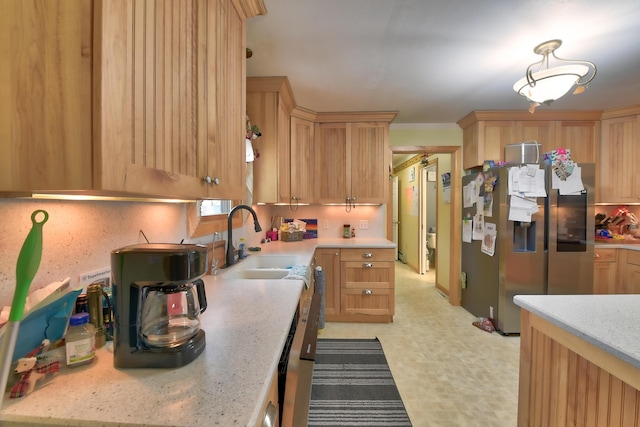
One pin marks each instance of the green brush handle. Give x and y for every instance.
(28, 263)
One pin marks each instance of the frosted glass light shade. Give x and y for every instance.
(552, 83)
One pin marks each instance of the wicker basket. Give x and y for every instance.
(291, 236)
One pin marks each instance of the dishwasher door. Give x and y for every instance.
(297, 392)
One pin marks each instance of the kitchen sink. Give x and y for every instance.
(263, 267)
(269, 262)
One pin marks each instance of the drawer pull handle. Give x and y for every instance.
(367, 255)
(367, 265)
(367, 292)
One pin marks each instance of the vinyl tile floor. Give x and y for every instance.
(448, 372)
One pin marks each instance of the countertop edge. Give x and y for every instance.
(566, 319)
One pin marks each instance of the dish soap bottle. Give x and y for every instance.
(80, 340)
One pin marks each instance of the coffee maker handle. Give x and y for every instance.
(202, 296)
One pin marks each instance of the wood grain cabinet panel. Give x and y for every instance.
(582, 137)
(269, 105)
(632, 271)
(331, 150)
(352, 157)
(301, 174)
(486, 133)
(605, 271)
(138, 98)
(367, 288)
(329, 260)
(360, 284)
(620, 151)
(565, 381)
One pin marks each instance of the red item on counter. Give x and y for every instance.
(273, 235)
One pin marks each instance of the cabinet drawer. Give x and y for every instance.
(359, 274)
(633, 257)
(367, 254)
(367, 301)
(605, 255)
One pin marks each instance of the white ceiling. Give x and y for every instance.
(434, 61)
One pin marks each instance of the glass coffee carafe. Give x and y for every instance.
(170, 314)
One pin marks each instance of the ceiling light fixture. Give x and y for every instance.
(545, 85)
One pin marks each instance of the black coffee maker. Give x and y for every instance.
(158, 297)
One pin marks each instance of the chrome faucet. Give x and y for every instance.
(230, 249)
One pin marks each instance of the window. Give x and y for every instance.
(214, 207)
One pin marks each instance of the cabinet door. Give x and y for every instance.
(620, 152)
(153, 126)
(45, 107)
(605, 269)
(542, 131)
(369, 160)
(226, 113)
(485, 140)
(271, 168)
(329, 260)
(302, 161)
(331, 156)
(632, 271)
(581, 137)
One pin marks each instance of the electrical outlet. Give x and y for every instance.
(490, 312)
(364, 224)
(326, 224)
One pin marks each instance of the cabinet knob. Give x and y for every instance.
(367, 292)
(367, 255)
(367, 265)
(210, 181)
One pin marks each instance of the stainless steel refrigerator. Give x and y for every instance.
(552, 253)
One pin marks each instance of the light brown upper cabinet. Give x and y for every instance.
(486, 133)
(302, 160)
(121, 97)
(620, 153)
(352, 157)
(269, 104)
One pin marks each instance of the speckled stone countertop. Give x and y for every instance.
(633, 244)
(246, 323)
(609, 322)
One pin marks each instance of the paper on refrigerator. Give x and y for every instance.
(521, 208)
(467, 225)
(488, 245)
(571, 185)
(527, 181)
(526, 184)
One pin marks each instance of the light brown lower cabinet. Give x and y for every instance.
(605, 271)
(360, 284)
(631, 273)
(616, 271)
(567, 381)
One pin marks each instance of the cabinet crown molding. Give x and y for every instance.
(482, 115)
(249, 8)
(277, 84)
(356, 116)
(621, 112)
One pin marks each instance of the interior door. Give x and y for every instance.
(422, 227)
(394, 219)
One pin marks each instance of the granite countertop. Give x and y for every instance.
(246, 324)
(610, 322)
